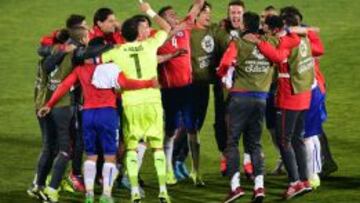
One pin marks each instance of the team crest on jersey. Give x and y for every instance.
(303, 48)
(234, 34)
(180, 34)
(208, 44)
(257, 54)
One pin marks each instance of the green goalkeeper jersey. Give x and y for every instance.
(138, 60)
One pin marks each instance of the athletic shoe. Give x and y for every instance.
(223, 166)
(164, 197)
(52, 196)
(106, 199)
(233, 195)
(170, 178)
(258, 195)
(182, 168)
(178, 175)
(249, 171)
(315, 182)
(307, 186)
(294, 190)
(66, 186)
(135, 198)
(36, 192)
(77, 182)
(198, 182)
(89, 198)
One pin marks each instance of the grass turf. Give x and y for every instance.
(23, 22)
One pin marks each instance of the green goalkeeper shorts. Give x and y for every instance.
(143, 122)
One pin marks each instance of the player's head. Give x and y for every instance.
(144, 27)
(290, 19)
(135, 29)
(75, 20)
(105, 19)
(274, 24)
(204, 17)
(62, 36)
(80, 34)
(251, 22)
(292, 10)
(236, 9)
(169, 14)
(268, 11)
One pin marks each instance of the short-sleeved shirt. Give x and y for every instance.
(138, 60)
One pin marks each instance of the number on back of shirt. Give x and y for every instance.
(137, 64)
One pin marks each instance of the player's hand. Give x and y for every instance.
(144, 7)
(155, 82)
(251, 38)
(43, 111)
(180, 52)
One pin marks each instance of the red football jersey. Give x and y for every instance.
(93, 97)
(285, 97)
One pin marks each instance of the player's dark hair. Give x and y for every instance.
(163, 10)
(143, 18)
(74, 20)
(274, 22)
(102, 14)
(236, 3)
(206, 5)
(290, 19)
(291, 10)
(251, 22)
(129, 29)
(97, 41)
(62, 36)
(269, 8)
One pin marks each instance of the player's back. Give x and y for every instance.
(93, 97)
(138, 60)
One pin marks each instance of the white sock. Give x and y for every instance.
(247, 158)
(141, 149)
(169, 148)
(135, 190)
(89, 176)
(163, 188)
(259, 182)
(109, 174)
(310, 156)
(235, 181)
(317, 156)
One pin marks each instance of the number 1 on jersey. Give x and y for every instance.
(137, 64)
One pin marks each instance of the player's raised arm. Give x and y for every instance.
(196, 8)
(146, 8)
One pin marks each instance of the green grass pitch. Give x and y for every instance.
(22, 23)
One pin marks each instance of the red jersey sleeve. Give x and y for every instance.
(63, 88)
(130, 84)
(317, 47)
(48, 40)
(228, 59)
(282, 52)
